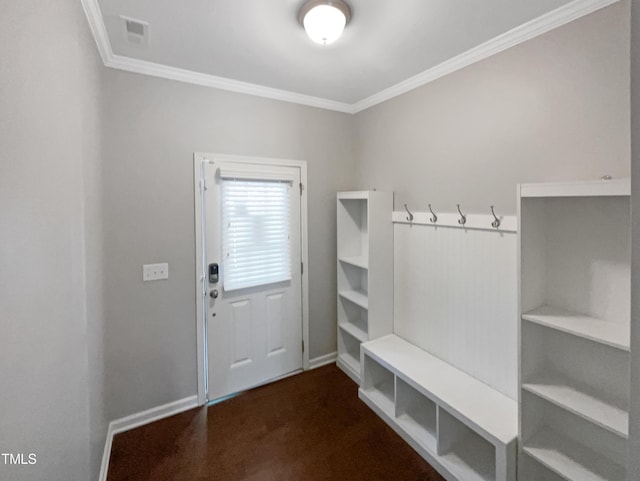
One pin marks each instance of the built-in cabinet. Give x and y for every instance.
(574, 330)
(365, 273)
(462, 427)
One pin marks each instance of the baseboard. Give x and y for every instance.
(160, 412)
(322, 360)
(140, 419)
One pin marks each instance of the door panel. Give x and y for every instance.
(275, 319)
(240, 323)
(253, 334)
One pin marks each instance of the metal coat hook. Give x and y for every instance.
(496, 222)
(410, 216)
(434, 217)
(463, 218)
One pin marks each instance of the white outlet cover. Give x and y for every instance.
(155, 272)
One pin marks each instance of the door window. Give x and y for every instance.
(256, 223)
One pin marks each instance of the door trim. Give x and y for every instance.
(198, 161)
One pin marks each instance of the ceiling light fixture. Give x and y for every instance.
(324, 20)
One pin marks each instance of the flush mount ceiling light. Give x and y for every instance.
(324, 20)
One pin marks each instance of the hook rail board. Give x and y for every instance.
(508, 223)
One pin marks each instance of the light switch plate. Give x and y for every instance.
(155, 272)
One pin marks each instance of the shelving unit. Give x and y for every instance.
(613, 334)
(416, 414)
(474, 457)
(572, 460)
(564, 393)
(462, 427)
(365, 273)
(574, 334)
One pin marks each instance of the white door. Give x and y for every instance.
(254, 307)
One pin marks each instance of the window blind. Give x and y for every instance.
(256, 219)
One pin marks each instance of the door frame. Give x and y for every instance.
(199, 160)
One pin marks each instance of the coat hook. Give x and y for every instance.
(496, 222)
(434, 217)
(410, 216)
(463, 218)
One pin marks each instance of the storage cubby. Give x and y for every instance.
(349, 351)
(470, 456)
(353, 319)
(417, 414)
(576, 265)
(462, 427)
(536, 471)
(379, 384)
(354, 279)
(566, 445)
(574, 336)
(365, 261)
(353, 224)
(586, 378)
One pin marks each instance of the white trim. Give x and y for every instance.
(154, 414)
(320, 361)
(128, 64)
(238, 172)
(140, 419)
(106, 455)
(611, 187)
(534, 28)
(98, 29)
(538, 26)
(198, 159)
(206, 80)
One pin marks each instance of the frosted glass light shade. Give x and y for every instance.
(324, 24)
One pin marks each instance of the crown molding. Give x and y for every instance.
(534, 28)
(98, 29)
(119, 62)
(538, 26)
(172, 73)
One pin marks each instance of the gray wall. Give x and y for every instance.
(634, 420)
(553, 108)
(96, 179)
(152, 128)
(49, 142)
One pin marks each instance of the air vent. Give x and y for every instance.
(136, 32)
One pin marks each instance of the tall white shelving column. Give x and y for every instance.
(574, 330)
(365, 273)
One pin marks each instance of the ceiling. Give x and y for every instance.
(260, 42)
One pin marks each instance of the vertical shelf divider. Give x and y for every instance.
(364, 273)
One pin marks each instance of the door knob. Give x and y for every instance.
(214, 294)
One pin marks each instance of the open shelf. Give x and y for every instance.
(570, 459)
(354, 330)
(353, 319)
(349, 355)
(359, 298)
(461, 426)
(416, 414)
(608, 333)
(594, 188)
(533, 470)
(562, 392)
(484, 407)
(575, 299)
(467, 454)
(351, 362)
(358, 261)
(379, 385)
(353, 225)
(365, 260)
